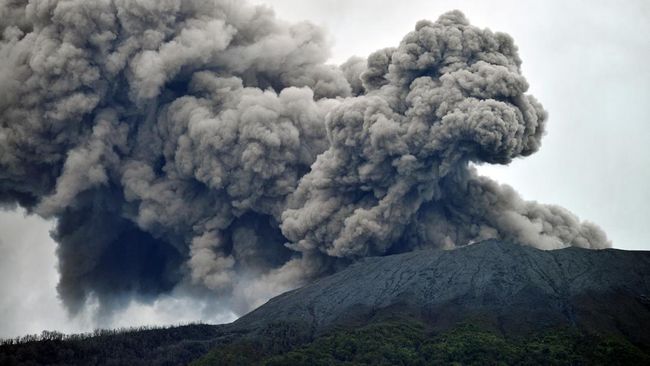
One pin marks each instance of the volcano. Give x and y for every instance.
(489, 301)
(515, 288)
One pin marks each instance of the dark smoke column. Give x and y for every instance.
(206, 145)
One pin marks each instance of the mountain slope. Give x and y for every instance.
(516, 288)
(490, 301)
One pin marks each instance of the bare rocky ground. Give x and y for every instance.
(512, 287)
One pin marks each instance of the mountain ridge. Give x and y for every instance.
(507, 301)
(486, 276)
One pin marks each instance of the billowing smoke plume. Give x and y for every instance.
(206, 144)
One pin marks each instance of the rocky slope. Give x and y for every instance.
(510, 303)
(512, 287)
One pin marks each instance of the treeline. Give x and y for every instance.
(139, 346)
(50, 335)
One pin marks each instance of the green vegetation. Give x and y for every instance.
(385, 342)
(409, 343)
(142, 346)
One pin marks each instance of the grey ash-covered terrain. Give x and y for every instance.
(525, 306)
(518, 288)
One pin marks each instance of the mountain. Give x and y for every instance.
(516, 287)
(487, 303)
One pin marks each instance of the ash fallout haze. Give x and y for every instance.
(204, 156)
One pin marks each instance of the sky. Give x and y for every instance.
(586, 61)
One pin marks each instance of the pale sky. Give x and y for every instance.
(586, 61)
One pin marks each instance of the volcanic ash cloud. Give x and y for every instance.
(206, 145)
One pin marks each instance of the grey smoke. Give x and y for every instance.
(207, 145)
